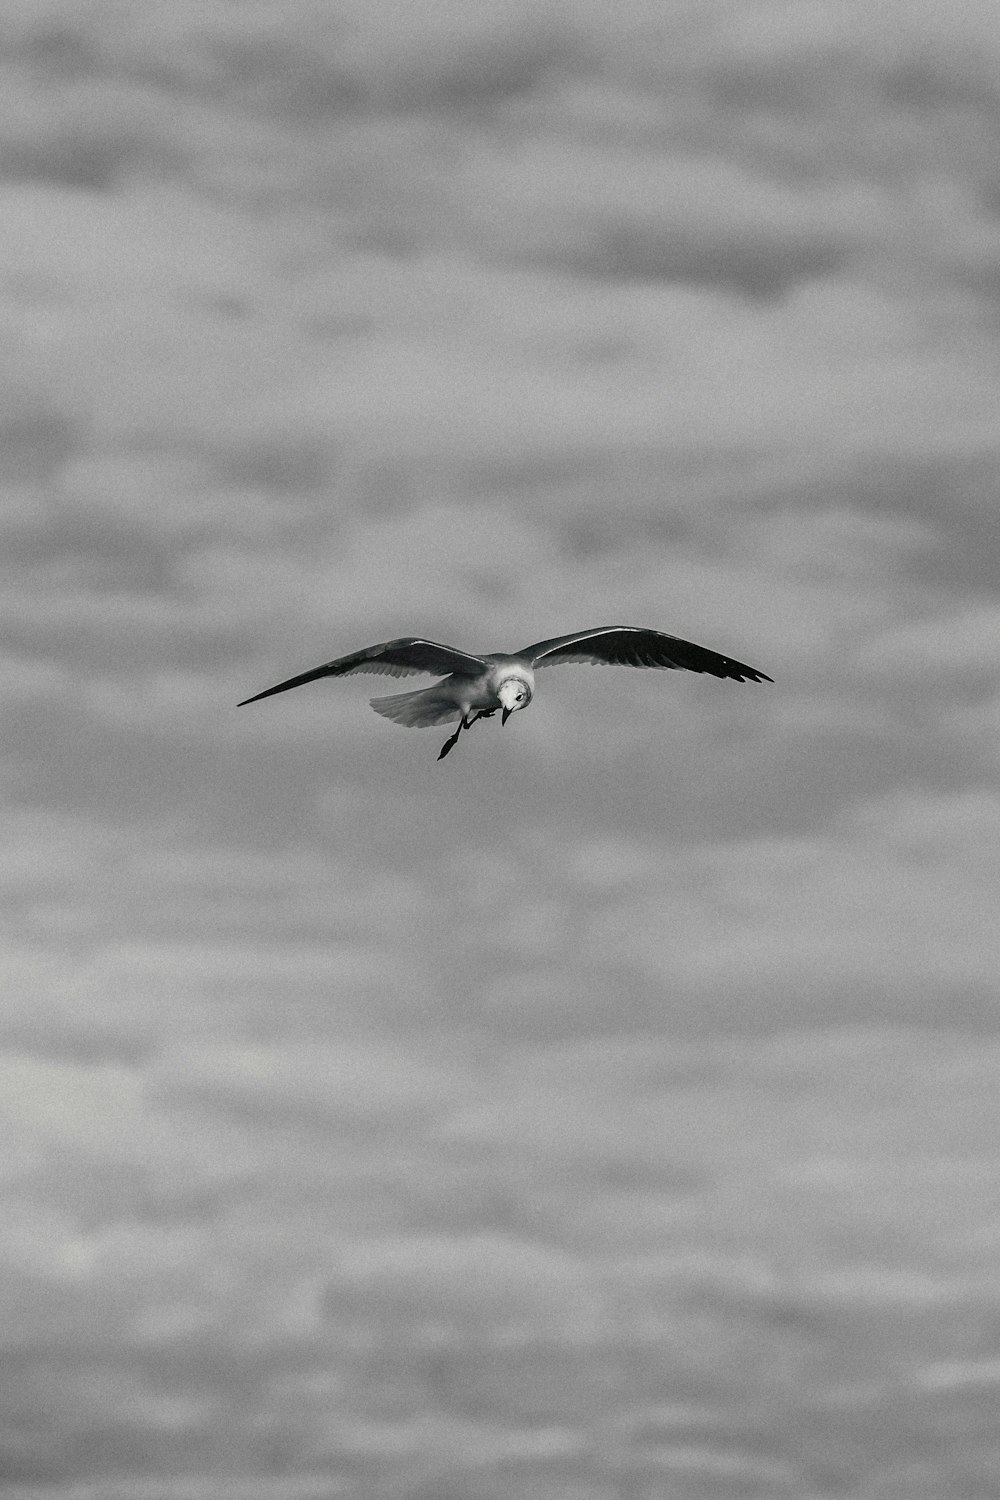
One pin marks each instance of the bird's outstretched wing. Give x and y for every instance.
(630, 646)
(400, 658)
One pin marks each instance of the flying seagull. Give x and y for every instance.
(474, 687)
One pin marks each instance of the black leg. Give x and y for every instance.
(464, 723)
(452, 740)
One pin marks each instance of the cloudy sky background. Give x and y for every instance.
(614, 1104)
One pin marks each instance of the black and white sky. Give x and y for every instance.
(329, 322)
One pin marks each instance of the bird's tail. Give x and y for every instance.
(417, 710)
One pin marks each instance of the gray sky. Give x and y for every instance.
(325, 323)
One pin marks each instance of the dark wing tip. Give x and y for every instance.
(291, 682)
(267, 693)
(743, 673)
(724, 666)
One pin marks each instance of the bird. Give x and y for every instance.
(474, 686)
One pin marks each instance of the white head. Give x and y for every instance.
(514, 693)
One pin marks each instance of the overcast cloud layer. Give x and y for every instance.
(614, 1104)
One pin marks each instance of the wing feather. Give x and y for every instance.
(631, 646)
(400, 658)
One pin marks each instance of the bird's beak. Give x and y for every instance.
(505, 715)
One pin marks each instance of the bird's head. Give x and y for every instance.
(514, 693)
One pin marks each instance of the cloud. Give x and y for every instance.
(281, 1288)
(328, 1087)
(510, 1286)
(629, 214)
(362, 1105)
(852, 921)
(55, 1106)
(955, 648)
(91, 136)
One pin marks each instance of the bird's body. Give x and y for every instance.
(458, 695)
(474, 686)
